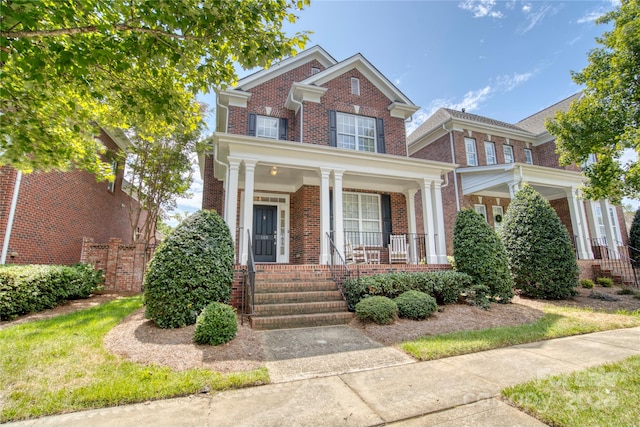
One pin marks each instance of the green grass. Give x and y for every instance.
(557, 322)
(60, 365)
(606, 395)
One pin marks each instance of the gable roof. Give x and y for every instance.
(265, 74)
(535, 122)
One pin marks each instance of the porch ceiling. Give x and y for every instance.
(495, 180)
(300, 164)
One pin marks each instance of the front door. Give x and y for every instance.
(265, 223)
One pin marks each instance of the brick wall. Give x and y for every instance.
(123, 266)
(545, 155)
(213, 189)
(305, 225)
(55, 210)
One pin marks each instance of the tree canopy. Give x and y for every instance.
(606, 120)
(69, 65)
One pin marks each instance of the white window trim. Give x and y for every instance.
(473, 153)
(528, 159)
(360, 220)
(508, 148)
(490, 146)
(482, 210)
(497, 210)
(358, 136)
(265, 118)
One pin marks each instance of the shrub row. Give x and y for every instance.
(444, 286)
(32, 288)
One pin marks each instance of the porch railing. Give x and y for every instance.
(617, 260)
(339, 269)
(248, 282)
(416, 243)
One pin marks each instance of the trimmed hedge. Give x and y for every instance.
(415, 305)
(32, 288)
(217, 324)
(191, 268)
(444, 286)
(380, 310)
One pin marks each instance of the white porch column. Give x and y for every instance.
(592, 218)
(438, 214)
(427, 217)
(608, 229)
(247, 208)
(325, 215)
(410, 195)
(231, 198)
(586, 234)
(338, 223)
(577, 223)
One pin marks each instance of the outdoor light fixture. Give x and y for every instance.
(274, 171)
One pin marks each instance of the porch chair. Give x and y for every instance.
(348, 253)
(398, 248)
(360, 255)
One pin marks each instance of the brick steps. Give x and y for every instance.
(297, 297)
(605, 270)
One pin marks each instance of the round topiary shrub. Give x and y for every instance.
(415, 305)
(217, 324)
(479, 252)
(191, 268)
(380, 310)
(540, 252)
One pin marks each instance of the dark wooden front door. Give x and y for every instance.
(265, 222)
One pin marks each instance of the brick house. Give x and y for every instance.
(313, 147)
(44, 216)
(495, 158)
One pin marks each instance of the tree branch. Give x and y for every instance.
(94, 29)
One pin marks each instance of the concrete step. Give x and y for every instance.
(292, 297)
(300, 321)
(300, 308)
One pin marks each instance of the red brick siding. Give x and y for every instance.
(213, 189)
(7, 186)
(55, 210)
(305, 225)
(545, 155)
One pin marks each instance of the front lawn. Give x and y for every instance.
(557, 322)
(605, 395)
(60, 365)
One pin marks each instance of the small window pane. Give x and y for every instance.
(528, 156)
(356, 132)
(482, 210)
(355, 86)
(490, 152)
(472, 155)
(508, 153)
(267, 127)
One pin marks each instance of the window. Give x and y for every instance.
(355, 86)
(614, 223)
(590, 160)
(528, 156)
(490, 152)
(267, 127)
(472, 155)
(362, 219)
(356, 132)
(498, 214)
(481, 209)
(508, 153)
(111, 185)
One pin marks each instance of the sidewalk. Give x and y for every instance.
(459, 390)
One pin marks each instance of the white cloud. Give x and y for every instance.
(507, 83)
(481, 8)
(533, 16)
(590, 16)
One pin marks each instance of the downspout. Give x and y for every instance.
(12, 212)
(453, 160)
(301, 114)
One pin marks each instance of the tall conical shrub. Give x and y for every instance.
(634, 237)
(192, 268)
(541, 256)
(479, 252)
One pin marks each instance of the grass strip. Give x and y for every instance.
(605, 395)
(60, 365)
(557, 322)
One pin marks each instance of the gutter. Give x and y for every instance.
(12, 212)
(301, 114)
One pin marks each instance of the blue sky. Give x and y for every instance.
(501, 59)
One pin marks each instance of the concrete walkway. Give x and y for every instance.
(460, 390)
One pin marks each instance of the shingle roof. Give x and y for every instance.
(535, 122)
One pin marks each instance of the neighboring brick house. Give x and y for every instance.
(53, 211)
(312, 147)
(495, 158)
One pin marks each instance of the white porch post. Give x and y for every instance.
(247, 215)
(338, 223)
(513, 188)
(231, 198)
(325, 215)
(441, 241)
(427, 217)
(410, 195)
(608, 229)
(585, 227)
(577, 223)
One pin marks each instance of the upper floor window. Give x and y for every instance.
(267, 127)
(590, 160)
(528, 156)
(472, 155)
(356, 132)
(508, 153)
(111, 185)
(355, 86)
(490, 152)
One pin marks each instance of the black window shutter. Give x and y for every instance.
(283, 129)
(387, 226)
(252, 125)
(333, 132)
(381, 145)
